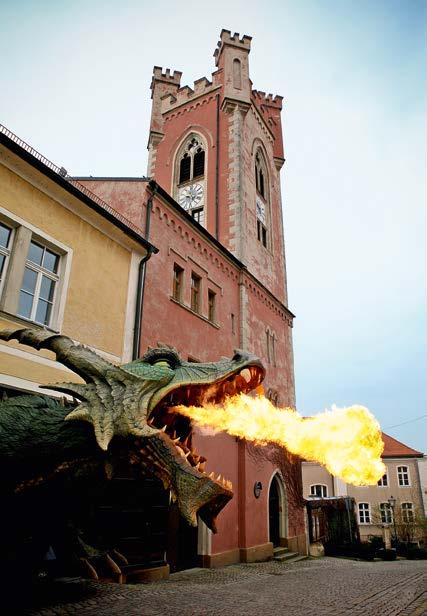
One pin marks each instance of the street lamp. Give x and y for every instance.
(392, 505)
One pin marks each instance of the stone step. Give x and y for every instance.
(280, 550)
(289, 557)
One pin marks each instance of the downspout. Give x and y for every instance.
(136, 349)
(217, 171)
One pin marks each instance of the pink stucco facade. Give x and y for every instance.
(234, 124)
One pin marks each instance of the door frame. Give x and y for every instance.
(283, 506)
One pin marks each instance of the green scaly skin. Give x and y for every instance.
(117, 419)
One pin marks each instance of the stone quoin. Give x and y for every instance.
(211, 203)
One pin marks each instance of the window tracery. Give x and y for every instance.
(190, 177)
(262, 202)
(192, 160)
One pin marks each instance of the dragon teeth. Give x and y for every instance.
(246, 374)
(212, 475)
(164, 428)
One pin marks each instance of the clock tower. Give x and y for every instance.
(217, 148)
(213, 207)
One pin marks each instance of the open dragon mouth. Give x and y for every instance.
(217, 490)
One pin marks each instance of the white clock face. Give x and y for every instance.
(260, 210)
(190, 196)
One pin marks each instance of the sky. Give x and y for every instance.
(75, 86)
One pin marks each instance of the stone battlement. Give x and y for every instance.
(186, 93)
(226, 38)
(267, 99)
(174, 78)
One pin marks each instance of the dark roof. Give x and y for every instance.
(88, 178)
(59, 176)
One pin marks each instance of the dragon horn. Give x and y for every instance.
(81, 360)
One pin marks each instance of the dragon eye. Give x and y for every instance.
(162, 356)
(163, 362)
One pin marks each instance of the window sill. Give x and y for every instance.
(197, 314)
(23, 321)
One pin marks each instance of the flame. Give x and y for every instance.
(347, 441)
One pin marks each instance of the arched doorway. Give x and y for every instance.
(277, 511)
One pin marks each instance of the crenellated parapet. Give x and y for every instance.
(226, 38)
(166, 77)
(267, 100)
(270, 107)
(186, 94)
(164, 86)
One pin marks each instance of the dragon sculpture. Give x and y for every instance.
(57, 451)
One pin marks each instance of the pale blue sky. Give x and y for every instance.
(76, 78)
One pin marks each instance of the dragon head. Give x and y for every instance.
(135, 401)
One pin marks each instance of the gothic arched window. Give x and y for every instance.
(192, 160)
(190, 177)
(262, 198)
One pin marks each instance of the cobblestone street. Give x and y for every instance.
(320, 587)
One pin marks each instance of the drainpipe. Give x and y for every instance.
(136, 349)
(217, 171)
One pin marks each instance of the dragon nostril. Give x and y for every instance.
(240, 355)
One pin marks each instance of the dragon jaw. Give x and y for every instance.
(134, 402)
(197, 493)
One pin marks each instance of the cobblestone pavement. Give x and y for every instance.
(327, 586)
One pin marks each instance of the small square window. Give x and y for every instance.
(408, 512)
(319, 490)
(5, 234)
(383, 481)
(195, 292)
(37, 293)
(403, 476)
(386, 513)
(211, 306)
(364, 513)
(5, 248)
(178, 276)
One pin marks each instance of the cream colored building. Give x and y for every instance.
(68, 263)
(401, 481)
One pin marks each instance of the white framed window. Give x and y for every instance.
(383, 482)
(319, 489)
(364, 513)
(6, 238)
(403, 476)
(408, 512)
(38, 271)
(38, 290)
(386, 513)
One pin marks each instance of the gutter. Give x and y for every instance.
(142, 269)
(60, 177)
(217, 171)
